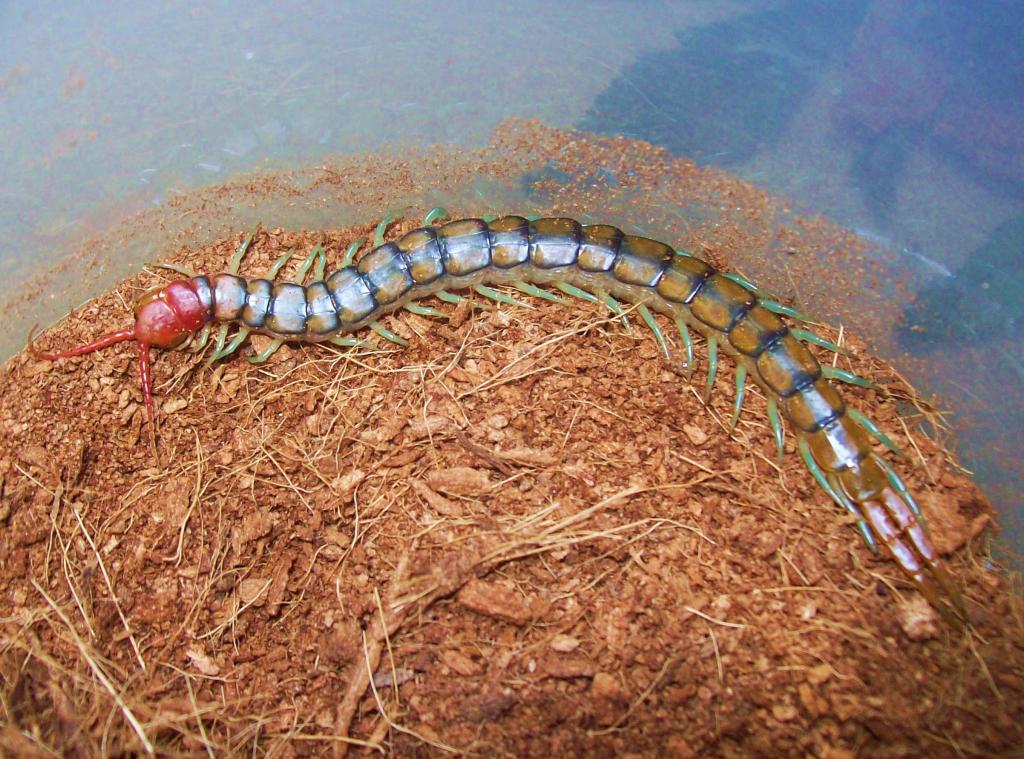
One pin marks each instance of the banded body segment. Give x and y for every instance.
(510, 241)
(641, 261)
(257, 302)
(286, 312)
(423, 255)
(386, 270)
(353, 298)
(554, 242)
(599, 247)
(466, 246)
(229, 293)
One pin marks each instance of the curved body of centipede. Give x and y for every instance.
(596, 262)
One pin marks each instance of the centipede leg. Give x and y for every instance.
(416, 308)
(314, 255)
(898, 485)
(616, 308)
(809, 337)
(387, 334)
(537, 292)
(350, 252)
(835, 373)
(279, 264)
(231, 347)
(382, 228)
(577, 292)
(712, 368)
(741, 387)
(434, 214)
(200, 340)
(500, 297)
(350, 342)
(266, 353)
(236, 259)
(684, 333)
(837, 495)
(778, 308)
(178, 269)
(874, 430)
(777, 431)
(648, 318)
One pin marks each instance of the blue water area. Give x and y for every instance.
(901, 120)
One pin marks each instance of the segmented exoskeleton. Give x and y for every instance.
(596, 262)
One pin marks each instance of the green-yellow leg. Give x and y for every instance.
(834, 372)
(314, 255)
(742, 281)
(532, 217)
(489, 217)
(741, 387)
(899, 487)
(837, 495)
(712, 367)
(279, 264)
(616, 308)
(416, 308)
(777, 431)
(576, 292)
(350, 342)
(434, 214)
(500, 297)
(231, 347)
(387, 334)
(778, 308)
(684, 333)
(536, 292)
(648, 318)
(350, 253)
(874, 431)
(236, 260)
(199, 341)
(382, 228)
(809, 337)
(222, 337)
(266, 353)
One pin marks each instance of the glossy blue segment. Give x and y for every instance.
(387, 271)
(257, 302)
(287, 312)
(352, 296)
(467, 246)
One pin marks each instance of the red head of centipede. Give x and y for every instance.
(165, 317)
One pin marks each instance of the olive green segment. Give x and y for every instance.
(423, 255)
(839, 445)
(682, 278)
(351, 295)
(257, 302)
(387, 272)
(287, 312)
(721, 302)
(228, 297)
(554, 242)
(755, 331)
(815, 406)
(786, 366)
(599, 245)
(510, 241)
(322, 316)
(467, 246)
(641, 261)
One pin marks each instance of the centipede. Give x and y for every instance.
(551, 258)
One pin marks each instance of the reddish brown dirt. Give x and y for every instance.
(526, 525)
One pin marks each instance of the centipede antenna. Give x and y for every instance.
(434, 214)
(835, 373)
(350, 252)
(684, 333)
(382, 228)
(146, 377)
(279, 264)
(236, 260)
(898, 485)
(387, 334)
(576, 292)
(648, 318)
(874, 431)
(236, 341)
(307, 264)
(416, 308)
(500, 297)
(741, 387)
(199, 342)
(266, 353)
(809, 337)
(712, 367)
(182, 270)
(350, 342)
(616, 308)
(536, 292)
(778, 308)
(489, 217)
(837, 495)
(776, 423)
